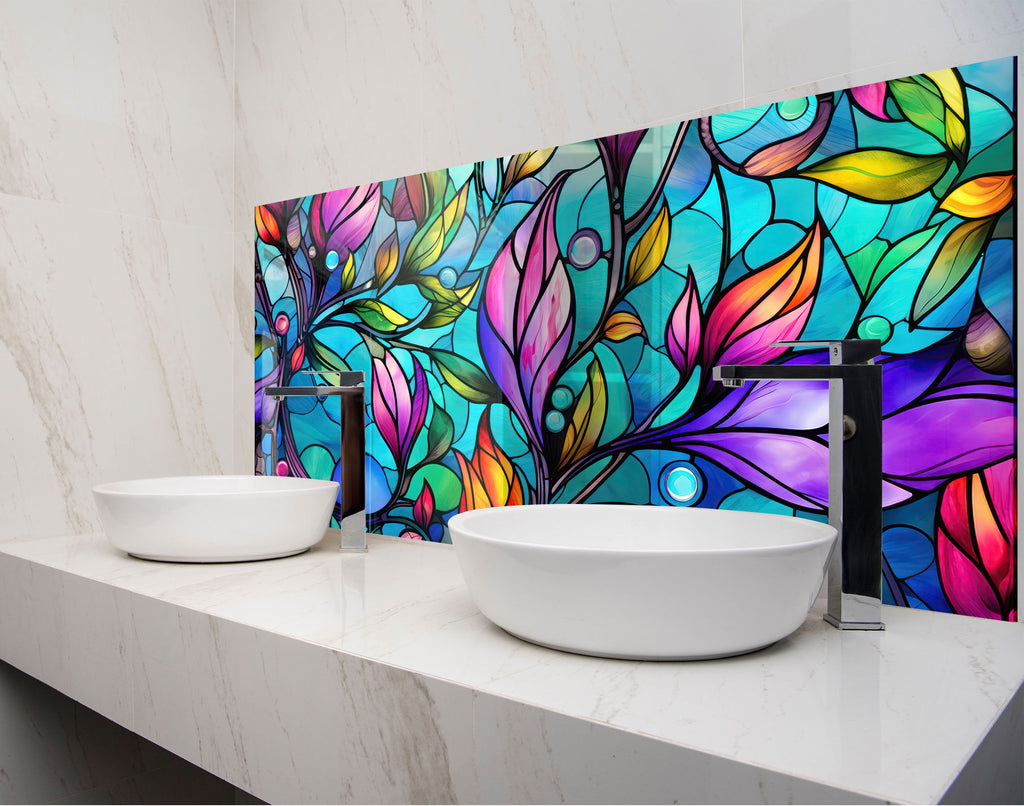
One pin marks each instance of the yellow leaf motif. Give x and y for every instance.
(648, 254)
(622, 325)
(520, 166)
(588, 417)
(879, 174)
(949, 86)
(386, 261)
(980, 197)
(348, 273)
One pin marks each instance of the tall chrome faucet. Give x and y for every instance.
(350, 510)
(854, 470)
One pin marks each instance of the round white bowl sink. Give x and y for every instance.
(210, 519)
(642, 582)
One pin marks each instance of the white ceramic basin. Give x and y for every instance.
(209, 519)
(642, 582)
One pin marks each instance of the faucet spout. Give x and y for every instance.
(854, 471)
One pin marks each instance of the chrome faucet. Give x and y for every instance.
(854, 470)
(350, 510)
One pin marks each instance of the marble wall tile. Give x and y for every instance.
(331, 95)
(115, 220)
(812, 44)
(117, 334)
(119, 105)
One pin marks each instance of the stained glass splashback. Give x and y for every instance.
(542, 327)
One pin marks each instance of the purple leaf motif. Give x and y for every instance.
(942, 418)
(619, 151)
(526, 326)
(339, 221)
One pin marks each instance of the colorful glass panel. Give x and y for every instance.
(541, 328)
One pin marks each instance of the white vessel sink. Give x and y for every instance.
(642, 582)
(208, 519)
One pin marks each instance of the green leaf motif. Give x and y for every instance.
(897, 255)
(935, 103)
(318, 462)
(444, 483)
(879, 174)
(465, 378)
(322, 358)
(263, 342)
(863, 263)
(446, 304)
(437, 233)
(439, 435)
(997, 158)
(951, 266)
(382, 318)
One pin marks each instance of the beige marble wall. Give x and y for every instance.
(116, 301)
(116, 318)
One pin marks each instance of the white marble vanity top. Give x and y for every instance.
(257, 670)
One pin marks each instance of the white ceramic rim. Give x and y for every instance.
(150, 487)
(827, 535)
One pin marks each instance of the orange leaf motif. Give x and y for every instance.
(766, 306)
(980, 197)
(622, 325)
(266, 225)
(489, 479)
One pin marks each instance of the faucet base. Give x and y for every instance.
(854, 625)
(352, 534)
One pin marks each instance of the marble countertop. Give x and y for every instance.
(243, 666)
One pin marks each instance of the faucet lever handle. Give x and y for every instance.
(843, 351)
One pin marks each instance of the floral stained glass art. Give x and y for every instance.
(541, 328)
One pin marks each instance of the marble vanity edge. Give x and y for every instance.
(489, 741)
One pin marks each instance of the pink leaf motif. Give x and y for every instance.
(682, 336)
(871, 98)
(768, 305)
(398, 411)
(423, 508)
(526, 326)
(977, 529)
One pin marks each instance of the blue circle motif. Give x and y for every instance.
(682, 483)
(447, 277)
(561, 397)
(554, 421)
